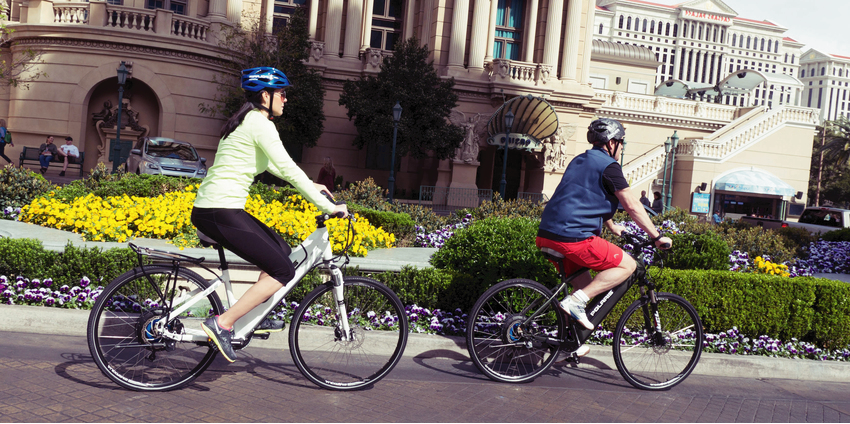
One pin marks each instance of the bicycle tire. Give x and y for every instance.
(658, 362)
(496, 347)
(331, 363)
(121, 339)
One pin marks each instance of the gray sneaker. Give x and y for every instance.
(221, 338)
(270, 326)
(576, 310)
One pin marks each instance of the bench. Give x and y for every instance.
(30, 155)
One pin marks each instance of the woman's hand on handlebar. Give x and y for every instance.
(340, 211)
(324, 190)
(664, 243)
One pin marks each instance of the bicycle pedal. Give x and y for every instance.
(262, 336)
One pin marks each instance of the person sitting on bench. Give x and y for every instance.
(46, 152)
(70, 152)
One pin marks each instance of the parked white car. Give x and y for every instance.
(166, 156)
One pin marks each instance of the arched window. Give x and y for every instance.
(734, 39)
(840, 72)
(685, 29)
(693, 30)
(786, 57)
(823, 71)
(652, 27)
(769, 45)
(762, 45)
(748, 41)
(741, 42)
(645, 21)
(629, 23)
(699, 35)
(667, 30)
(622, 18)
(508, 29)
(802, 73)
(792, 58)
(675, 30)
(600, 28)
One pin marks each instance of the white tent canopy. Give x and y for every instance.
(753, 181)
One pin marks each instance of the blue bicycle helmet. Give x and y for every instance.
(264, 77)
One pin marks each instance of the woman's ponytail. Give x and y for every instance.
(253, 101)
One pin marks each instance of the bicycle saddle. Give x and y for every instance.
(551, 254)
(206, 241)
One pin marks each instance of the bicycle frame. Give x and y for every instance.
(314, 251)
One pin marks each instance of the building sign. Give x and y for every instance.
(699, 203)
(516, 141)
(706, 17)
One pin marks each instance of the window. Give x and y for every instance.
(748, 42)
(622, 18)
(386, 24)
(734, 39)
(283, 10)
(675, 30)
(644, 25)
(762, 45)
(177, 6)
(667, 29)
(652, 27)
(769, 45)
(629, 23)
(822, 72)
(802, 73)
(600, 28)
(508, 29)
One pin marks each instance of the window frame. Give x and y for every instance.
(500, 43)
(386, 25)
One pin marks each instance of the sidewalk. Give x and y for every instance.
(42, 320)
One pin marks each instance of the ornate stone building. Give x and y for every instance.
(495, 50)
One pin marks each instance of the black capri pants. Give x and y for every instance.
(247, 237)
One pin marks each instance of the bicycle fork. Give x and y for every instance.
(339, 298)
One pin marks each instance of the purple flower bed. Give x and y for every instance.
(439, 237)
(37, 292)
(826, 257)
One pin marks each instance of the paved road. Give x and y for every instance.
(48, 378)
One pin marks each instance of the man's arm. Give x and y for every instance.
(635, 209)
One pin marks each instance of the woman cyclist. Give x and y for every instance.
(249, 145)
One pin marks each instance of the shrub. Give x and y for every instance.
(103, 183)
(18, 187)
(757, 241)
(499, 208)
(493, 250)
(698, 251)
(28, 258)
(365, 193)
(798, 239)
(270, 193)
(422, 216)
(834, 235)
(399, 224)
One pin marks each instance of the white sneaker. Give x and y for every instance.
(576, 310)
(582, 350)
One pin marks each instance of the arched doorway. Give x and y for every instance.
(138, 95)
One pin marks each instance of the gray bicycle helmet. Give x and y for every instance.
(604, 129)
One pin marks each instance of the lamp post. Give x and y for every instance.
(675, 143)
(396, 117)
(116, 145)
(820, 163)
(667, 146)
(509, 125)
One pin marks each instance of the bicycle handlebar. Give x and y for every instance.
(641, 242)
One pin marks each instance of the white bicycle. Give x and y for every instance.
(144, 331)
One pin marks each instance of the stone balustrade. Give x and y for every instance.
(186, 27)
(71, 13)
(518, 72)
(679, 108)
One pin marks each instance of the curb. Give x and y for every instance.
(71, 322)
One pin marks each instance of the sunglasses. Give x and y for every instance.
(281, 93)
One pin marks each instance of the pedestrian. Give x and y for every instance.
(5, 138)
(327, 174)
(249, 145)
(47, 151)
(69, 152)
(657, 206)
(643, 199)
(717, 218)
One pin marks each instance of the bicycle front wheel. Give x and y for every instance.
(376, 339)
(656, 361)
(500, 342)
(126, 339)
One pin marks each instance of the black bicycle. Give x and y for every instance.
(516, 330)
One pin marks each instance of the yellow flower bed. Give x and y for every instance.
(766, 267)
(168, 217)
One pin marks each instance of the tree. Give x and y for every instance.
(302, 122)
(20, 70)
(838, 146)
(832, 170)
(426, 99)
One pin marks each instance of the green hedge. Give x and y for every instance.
(28, 258)
(399, 224)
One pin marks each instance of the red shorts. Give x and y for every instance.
(595, 253)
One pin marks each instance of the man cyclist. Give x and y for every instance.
(586, 198)
(249, 145)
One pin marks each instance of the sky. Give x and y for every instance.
(819, 24)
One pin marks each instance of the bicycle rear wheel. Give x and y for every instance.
(123, 337)
(657, 361)
(378, 335)
(504, 348)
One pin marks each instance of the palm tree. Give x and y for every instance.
(838, 147)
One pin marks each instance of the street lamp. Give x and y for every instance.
(396, 117)
(668, 145)
(116, 145)
(509, 125)
(675, 144)
(820, 162)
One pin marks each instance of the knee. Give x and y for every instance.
(628, 264)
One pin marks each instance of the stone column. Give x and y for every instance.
(353, 25)
(491, 31)
(530, 33)
(313, 19)
(366, 38)
(425, 30)
(269, 7)
(234, 11)
(569, 63)
(333, 26)
(457, 43)
(677, 62)
(588, 38)
(409, 19)
(477, 47)
(218, 9)
(553, 33)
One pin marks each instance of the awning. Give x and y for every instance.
(753, 181)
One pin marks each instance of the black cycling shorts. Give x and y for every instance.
(241, 233)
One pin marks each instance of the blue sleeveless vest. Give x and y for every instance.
(580, 204)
